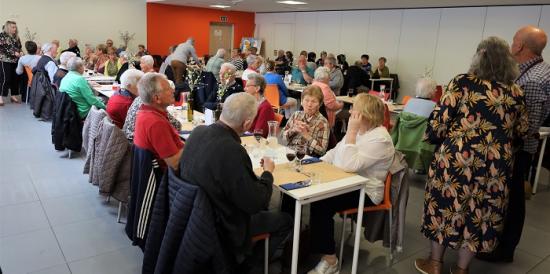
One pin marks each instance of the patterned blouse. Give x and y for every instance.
(319, 129)
(130, 123)
(9, 45)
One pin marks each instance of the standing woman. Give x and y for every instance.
(10, 51)
(475, 126)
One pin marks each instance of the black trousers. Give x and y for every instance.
(278, 225)
(322, 222)
(8, 79)
(515, 216)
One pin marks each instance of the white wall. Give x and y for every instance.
(444, 39)
(88, 21)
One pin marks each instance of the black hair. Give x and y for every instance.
(365, 56)
(31, 47)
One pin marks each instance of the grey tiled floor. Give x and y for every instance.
(53, 221)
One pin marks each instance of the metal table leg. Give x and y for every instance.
(358, 230)
(296, 237)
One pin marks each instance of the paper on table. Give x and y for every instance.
(327, 173)
(208, 116)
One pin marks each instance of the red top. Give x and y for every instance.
(117, 108)
(265, 113)
(155, 133)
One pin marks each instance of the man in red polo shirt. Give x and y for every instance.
(120, 102)
(153, 130)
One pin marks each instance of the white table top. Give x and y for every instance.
(544, 132)
(106, 90)
(100, 78)
(296, 87)
(381, 79)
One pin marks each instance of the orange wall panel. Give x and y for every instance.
(169, 25)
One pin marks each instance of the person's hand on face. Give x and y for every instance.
(354, 121)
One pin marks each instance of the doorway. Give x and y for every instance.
(221, 36)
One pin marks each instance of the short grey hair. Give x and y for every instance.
(124, 54)
(228, 66)
(75, 63)
(259, 80)
(494, 62)
(130, 77)
(251, 59)
(321, 73)
(238, 108)
(425, 87)
(47, 47)
(331, 59)
(65, 56)
(147, 59)
(220, 53)
(149, 86)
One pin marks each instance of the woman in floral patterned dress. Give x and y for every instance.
(475, 126)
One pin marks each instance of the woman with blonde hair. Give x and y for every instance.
(474, 126)
(101, 58)
(10, 51)
(367, 149)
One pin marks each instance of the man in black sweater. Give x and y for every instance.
(215, 160)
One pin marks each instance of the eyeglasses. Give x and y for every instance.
(250, 86)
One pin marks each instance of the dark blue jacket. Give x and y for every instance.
(182, 235)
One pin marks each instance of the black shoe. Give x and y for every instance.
(495, 257)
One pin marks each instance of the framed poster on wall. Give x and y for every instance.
(248, 42)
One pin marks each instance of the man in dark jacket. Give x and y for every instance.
(215, 160)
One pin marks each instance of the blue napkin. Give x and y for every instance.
(185, 132)
(291, 186)
(311, 160)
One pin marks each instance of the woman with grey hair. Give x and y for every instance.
(123, 58)
(255, 86)
(422, 104)
(254, 62)
(475, 126)
(10, 51)
(321, 79)
(62, 70)
(120, 102)
(78, 88)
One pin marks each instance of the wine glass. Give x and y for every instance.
(300, 154)
(258, 133)
(290, 156)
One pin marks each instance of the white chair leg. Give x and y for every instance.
(266, 256)
(539, 165)
(27, 98)
(342, 241)
(119, 212)
(391, 243)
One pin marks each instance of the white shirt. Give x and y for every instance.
(51, 68)
(183, 52)
(247, 72)
(420, 107)
(165, 64)
(371, 157)
(26, 60)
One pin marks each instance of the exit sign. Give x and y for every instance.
(223, 18)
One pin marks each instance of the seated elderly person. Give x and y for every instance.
(367, 149)
(30, 59)
(336, 80)
(227, 86)
(130, 122)
(153, 130)
(147, 63)
(255, 86)
(215, 62)
(322, 78)
(120, 102)
(239, 196)
(237, 59)
(308, 127)
(101, 58)
(303, 72)
(47, 63)
(62, 70)
(123, 64)
(422, 105)
(289, 104)
(111, 65)
(356, 78)
(254, 62)
(78, 88)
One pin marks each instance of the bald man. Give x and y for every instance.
(534, 79)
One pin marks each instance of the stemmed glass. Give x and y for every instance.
(290, 155)
(300, 154)
(258, 133)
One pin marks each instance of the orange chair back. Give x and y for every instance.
(438, 93)
(28, 70)
(387, 118)
(385, 205)
(271, 94)
(406, 99)
(279, 118)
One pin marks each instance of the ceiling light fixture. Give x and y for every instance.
(220, 6)
(291, 2)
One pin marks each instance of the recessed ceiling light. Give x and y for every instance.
(291, 2)
(220, 6)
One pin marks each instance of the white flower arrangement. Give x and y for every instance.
(224, 84)
(30, 36)
(194, 73)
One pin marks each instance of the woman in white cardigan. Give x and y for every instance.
(367, 149)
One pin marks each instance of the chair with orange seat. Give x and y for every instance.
(28, 70)
(377, 94)
(386, 205)
(279, 118)
(405, 100)
(271, 94)
(265, 237)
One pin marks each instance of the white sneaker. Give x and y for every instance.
(324, 268)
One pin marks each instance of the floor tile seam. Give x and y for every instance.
(63, 196)
(100, 254)
(532, 254)
(539, 263)
(80, 221)
(19, 203)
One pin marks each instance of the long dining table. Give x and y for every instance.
(330, 180)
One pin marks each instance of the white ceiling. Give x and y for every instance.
(317, 5)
